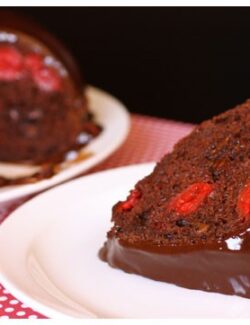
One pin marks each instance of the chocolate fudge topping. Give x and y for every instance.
(220, 267)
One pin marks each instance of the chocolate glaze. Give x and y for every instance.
(47, 170)
(222, 267)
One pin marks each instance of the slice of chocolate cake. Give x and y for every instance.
(188, 223)
(43, 111)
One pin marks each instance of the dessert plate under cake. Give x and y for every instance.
(59, 273)
(114, 119)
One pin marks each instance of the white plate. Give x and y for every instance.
(48, 258)
(110, 114)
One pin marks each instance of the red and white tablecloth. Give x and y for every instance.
(149, 139)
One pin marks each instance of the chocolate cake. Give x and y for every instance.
(43, 111)
(188, 223)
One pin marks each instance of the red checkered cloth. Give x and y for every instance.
(149, 139)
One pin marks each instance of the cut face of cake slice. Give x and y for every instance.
(188, 223)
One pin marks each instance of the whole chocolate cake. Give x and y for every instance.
(43, 111)
(188, 223)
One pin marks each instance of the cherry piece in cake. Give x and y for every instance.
(131, 201)
(244, 202)
(190, 199)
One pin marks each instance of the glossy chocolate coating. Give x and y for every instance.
(222, 267)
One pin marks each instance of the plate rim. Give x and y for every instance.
(36, 305)
(22, 190)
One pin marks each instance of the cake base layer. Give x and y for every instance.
(221, 267)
